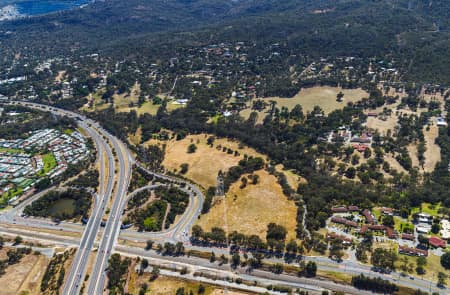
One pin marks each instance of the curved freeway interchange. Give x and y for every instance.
(116, 162)
(114, 189)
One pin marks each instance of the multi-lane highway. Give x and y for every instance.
(78, 269)
(113, 193)
(111, 232)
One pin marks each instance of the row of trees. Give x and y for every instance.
(89, 179)
(54, 274)
(117, 269)
(374, 284)
(275, 240)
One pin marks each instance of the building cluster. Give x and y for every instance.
(359, 141)
(66, 90)
(46, 152)
(363, 221)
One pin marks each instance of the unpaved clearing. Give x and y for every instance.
(394, 164)
(433, 151)
(168, 286)
(32, 282)
(293, 179)
(136, 138)
(382, 124)
(251, 209)
(24, 276)
(60, 76)
(206, 162)
(322, 96)
(412, 151)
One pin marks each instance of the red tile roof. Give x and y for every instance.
(368, 215)
(436, 242)
(408, 237)
(363, 229)
(412, 251)
(390, 233)
(344, 221)
(359, 147)
(340, 209)
(353, 208)
(377, 227)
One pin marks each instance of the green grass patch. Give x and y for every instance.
(68, 131)
(428, 209)
(49, 164)
(10, 194)
(377, 213)
(148, 108)
(432, 268)
(215, 119)
(11, 151)
(401, 225)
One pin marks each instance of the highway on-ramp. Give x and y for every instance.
(178, 232)
(78, 268)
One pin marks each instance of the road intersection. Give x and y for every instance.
(114, 189)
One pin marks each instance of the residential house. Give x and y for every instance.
(369, 216)
(412, 251)
(437, 243)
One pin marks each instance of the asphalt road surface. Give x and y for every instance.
(116, 188)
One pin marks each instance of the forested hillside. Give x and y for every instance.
(414, 31)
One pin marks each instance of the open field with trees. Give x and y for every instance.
(49, 163)
(323, 96)
(167, 286)
(56, 272)
(23, 272)
(157, 210)
(249, 210)
(205, 163)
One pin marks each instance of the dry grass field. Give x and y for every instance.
(251, 209)
(382, 125)
(412, 150)
(147, 107)
(433, 152)
(97, 103)
(24, 277)
(293, 179)
(322, 96)
(168, 286)
(394, 164)
(206, 162)
(126, 102)
(135, 138)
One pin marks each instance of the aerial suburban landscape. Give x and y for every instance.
(224, 147)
